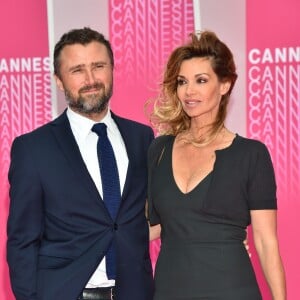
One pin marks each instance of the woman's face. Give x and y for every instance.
(199, 89)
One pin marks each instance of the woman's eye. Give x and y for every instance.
(180, 82)
(201, 80)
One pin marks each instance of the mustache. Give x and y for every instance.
(86, 88)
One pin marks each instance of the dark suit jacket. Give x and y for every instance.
(58, 227)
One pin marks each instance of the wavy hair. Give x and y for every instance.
(167, 115)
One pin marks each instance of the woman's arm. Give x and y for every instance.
(264, 225)
(154, 232)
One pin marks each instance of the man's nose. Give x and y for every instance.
(89, 77)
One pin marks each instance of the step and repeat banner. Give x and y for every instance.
(273, 114)
(143, 33)
(142, 37)
(25, 94)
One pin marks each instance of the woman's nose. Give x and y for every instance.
(189, 89)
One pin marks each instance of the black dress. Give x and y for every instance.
(202, 253)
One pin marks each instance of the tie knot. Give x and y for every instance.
(100, 129)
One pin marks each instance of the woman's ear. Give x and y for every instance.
(225, 86)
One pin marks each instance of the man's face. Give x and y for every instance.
(86, 77)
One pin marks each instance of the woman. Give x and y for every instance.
(207, 184)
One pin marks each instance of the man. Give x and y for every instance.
(59, 228)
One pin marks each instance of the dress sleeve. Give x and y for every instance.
(262, 183)
(154, 154)
(152, 214)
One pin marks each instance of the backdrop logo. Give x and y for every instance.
(273, 109)
(274, 90)
(25, 99)
(24, 64)
(24, 89)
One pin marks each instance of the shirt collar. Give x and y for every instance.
(81, 126)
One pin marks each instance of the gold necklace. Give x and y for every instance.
(205, 141)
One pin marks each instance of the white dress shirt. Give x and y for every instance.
(87, 143)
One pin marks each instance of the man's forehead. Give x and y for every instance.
(91, 53)
(92, 47)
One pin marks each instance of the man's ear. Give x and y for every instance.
(59, 83)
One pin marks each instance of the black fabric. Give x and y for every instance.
(202, 254)
(243, 179)
(155, 152)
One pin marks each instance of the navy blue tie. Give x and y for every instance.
(110, 186)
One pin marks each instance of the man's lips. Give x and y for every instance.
(90, 91)
(91, 88)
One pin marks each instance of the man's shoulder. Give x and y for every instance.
(42, 130)
(122, 121)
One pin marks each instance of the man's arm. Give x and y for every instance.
(24, 226)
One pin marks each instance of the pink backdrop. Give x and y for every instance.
(142, 38)
(273, 106)
(142, 34)
(24, 92)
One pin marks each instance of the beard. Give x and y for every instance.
(90, 104)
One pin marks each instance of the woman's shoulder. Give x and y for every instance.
(249, 144)
(161, 140)
(157, 146)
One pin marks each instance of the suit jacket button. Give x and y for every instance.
(115, 226)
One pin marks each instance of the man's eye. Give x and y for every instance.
(77, 70)
(100, 66)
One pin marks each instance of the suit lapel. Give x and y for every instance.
(65, 138)
(127, 138)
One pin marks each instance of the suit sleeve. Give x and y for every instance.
(24, 226)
